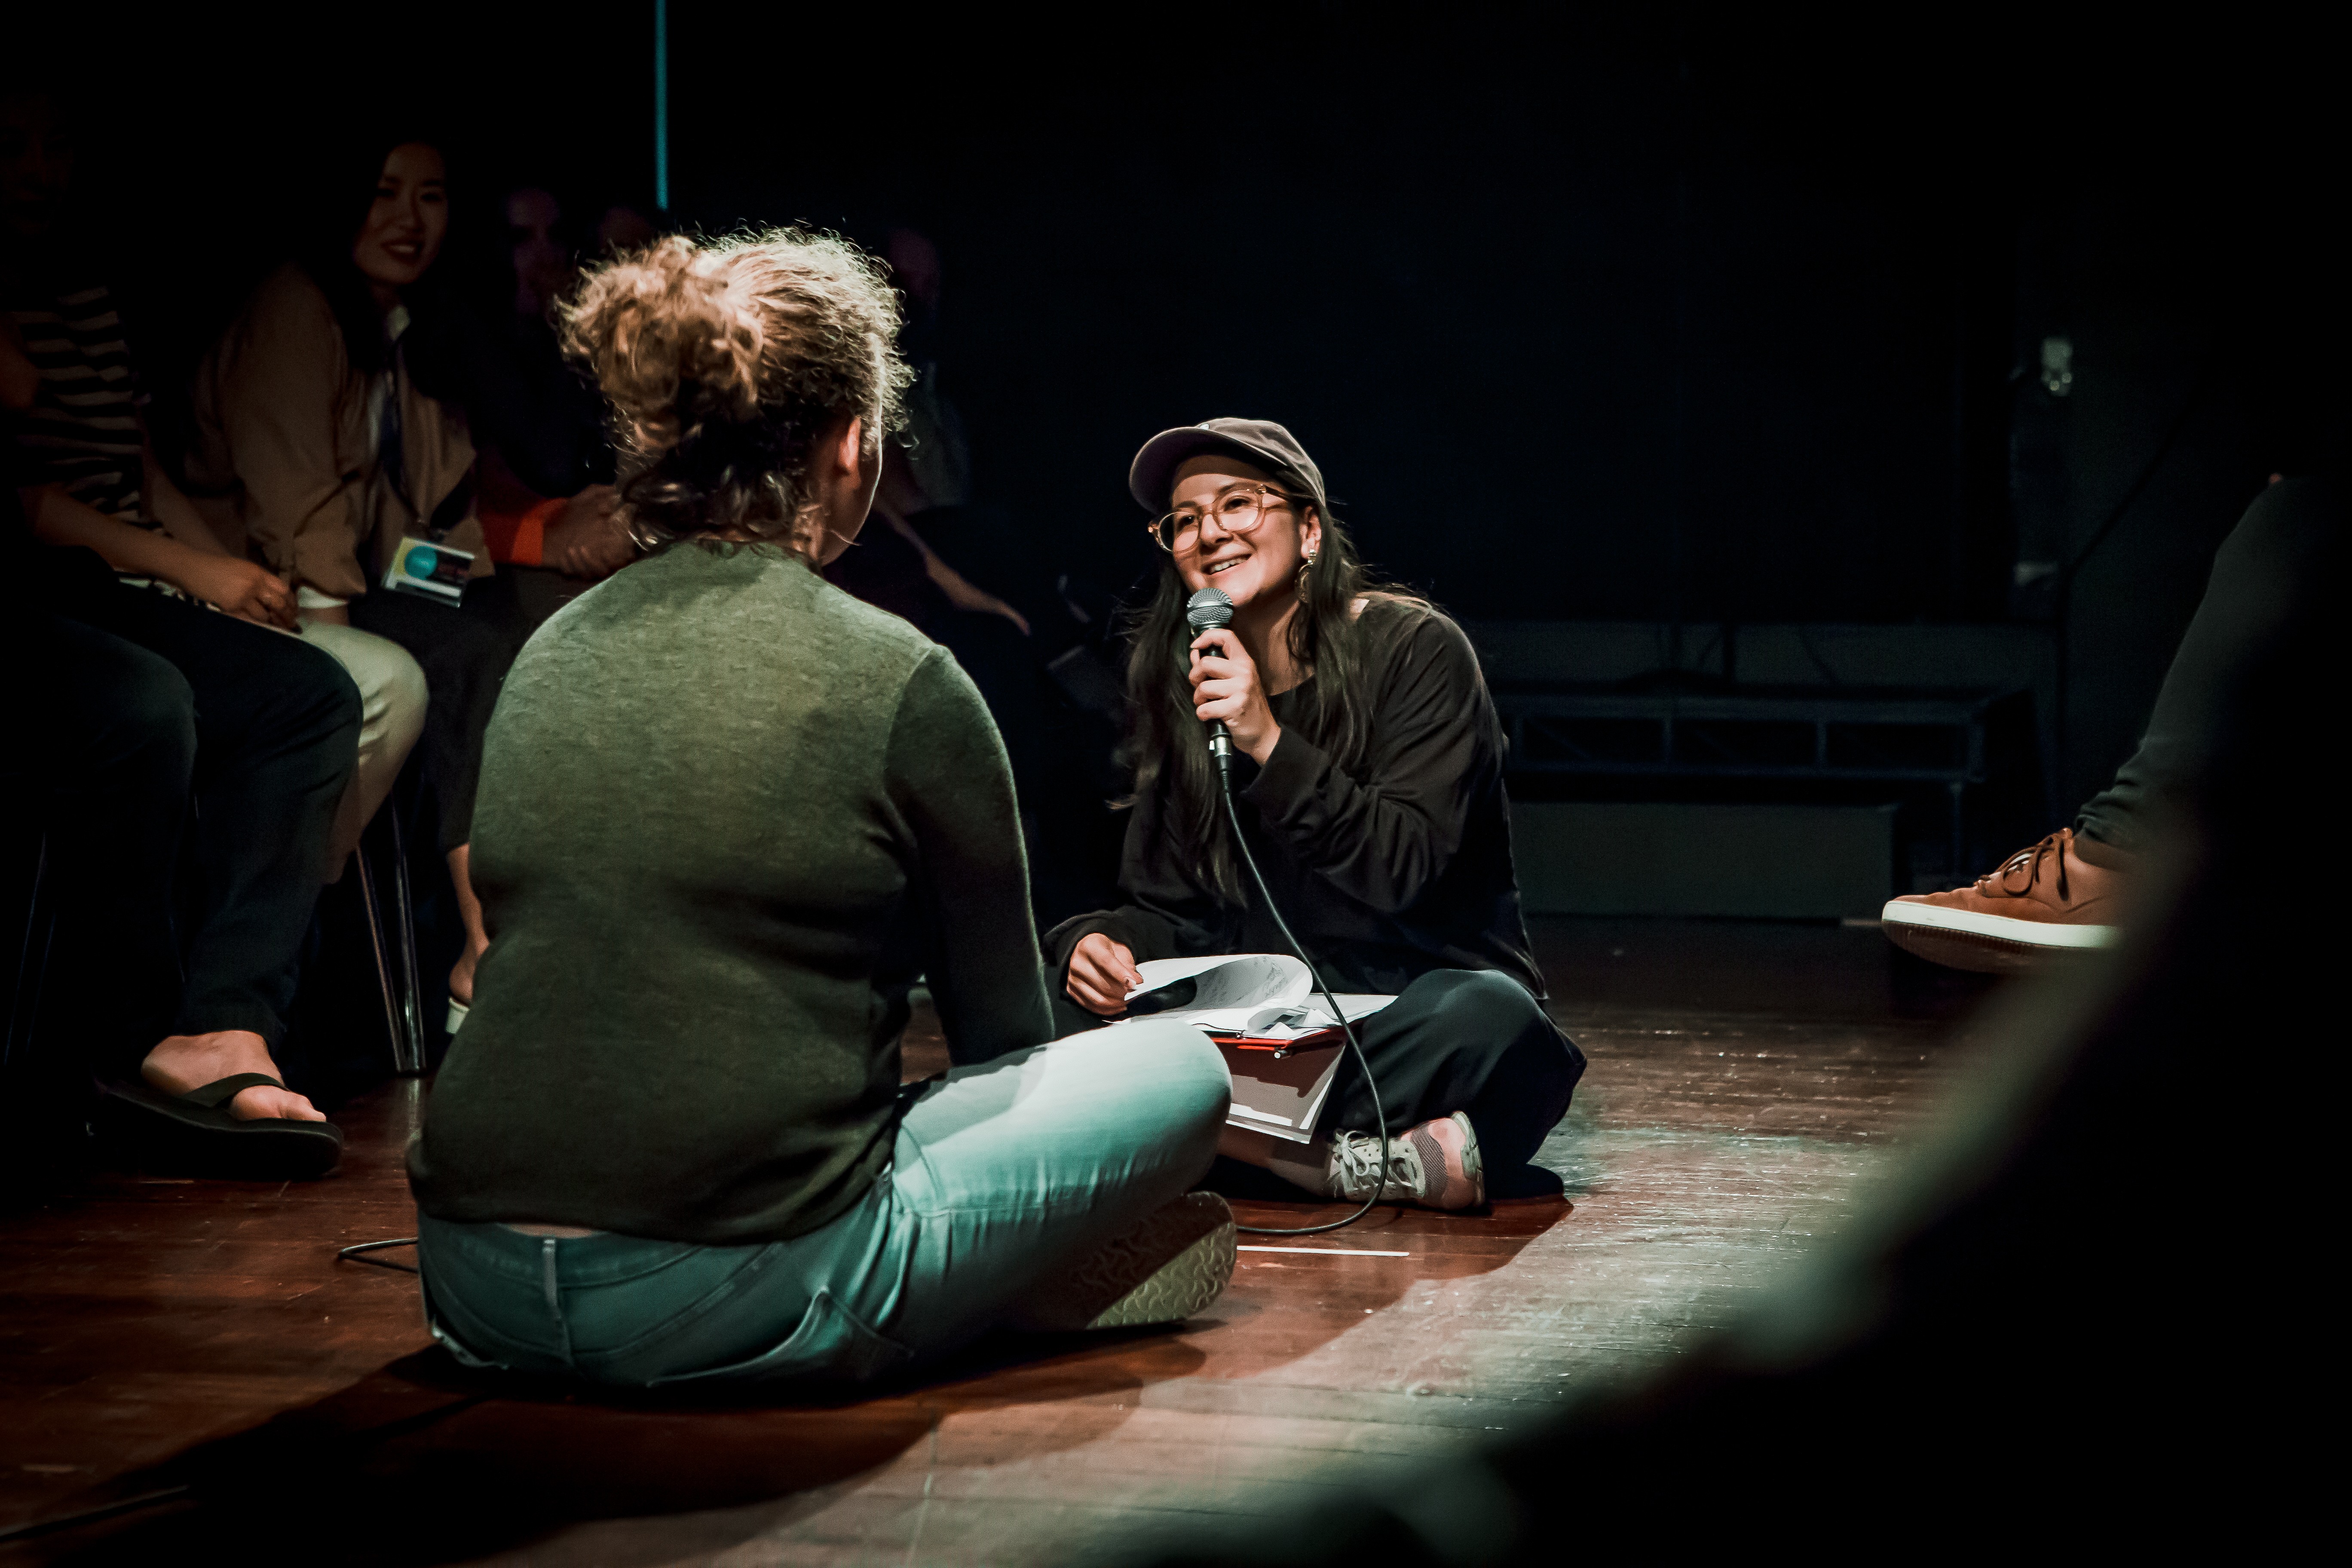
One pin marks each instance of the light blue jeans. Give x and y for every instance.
(1002, 1173)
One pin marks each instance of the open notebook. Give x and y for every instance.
(1281, 1044)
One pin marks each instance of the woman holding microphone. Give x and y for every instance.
(1368, 780)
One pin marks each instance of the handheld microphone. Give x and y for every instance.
(1205, 612)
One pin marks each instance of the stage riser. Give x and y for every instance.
(1776, 862)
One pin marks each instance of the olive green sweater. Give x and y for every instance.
(727, 813)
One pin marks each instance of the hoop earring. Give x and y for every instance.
(1305, 567)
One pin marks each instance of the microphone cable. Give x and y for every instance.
(1212, 609)
(1380, 1113)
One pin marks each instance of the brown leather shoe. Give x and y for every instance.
(2044, 903)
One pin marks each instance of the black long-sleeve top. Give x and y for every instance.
(1386, 871)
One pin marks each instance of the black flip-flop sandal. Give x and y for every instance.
(198, 1132)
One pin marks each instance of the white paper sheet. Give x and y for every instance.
(1267, 996)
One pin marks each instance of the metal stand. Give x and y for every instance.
(395, 957)
(412, 1006)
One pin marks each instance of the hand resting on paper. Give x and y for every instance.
(1102, 972)
(1259, 994)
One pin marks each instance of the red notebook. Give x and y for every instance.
(1331, 1037)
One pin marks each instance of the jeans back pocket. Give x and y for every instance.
(831, 1345)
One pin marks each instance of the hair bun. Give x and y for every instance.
(722, 361)
(669, 346)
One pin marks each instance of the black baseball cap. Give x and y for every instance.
(1259, 442)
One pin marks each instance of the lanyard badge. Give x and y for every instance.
(430, 571)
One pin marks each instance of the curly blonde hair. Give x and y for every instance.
(724, 364)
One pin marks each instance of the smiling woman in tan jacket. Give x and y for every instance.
(320, 447)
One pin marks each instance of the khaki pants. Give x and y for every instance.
(392, 716)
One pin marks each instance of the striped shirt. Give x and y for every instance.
(82, 431)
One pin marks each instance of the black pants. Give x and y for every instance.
(1463, 1040)
(2257, 575)
(1455, 1040)
(132, 709)
(466, 651)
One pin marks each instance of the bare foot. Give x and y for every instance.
(183, 1062)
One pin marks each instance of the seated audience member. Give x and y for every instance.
(727, 815)
(321, 442)
(93, 477)
(623, 228)
(2067, 893)
(546, 466)
(550, 515)
(130, 705)
(1369, 781)
(924, 498)
(927, 465)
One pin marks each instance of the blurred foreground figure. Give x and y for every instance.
(2038, 1346)
(2070, 892)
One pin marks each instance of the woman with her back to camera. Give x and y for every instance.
(727, 815)
(1368, 778)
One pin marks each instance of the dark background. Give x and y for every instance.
(1686, 318)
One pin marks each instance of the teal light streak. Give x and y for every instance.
(661, 104)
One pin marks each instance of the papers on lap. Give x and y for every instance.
(1281, 1044)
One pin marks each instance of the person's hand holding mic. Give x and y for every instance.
(1102, 972)
(1225, 685)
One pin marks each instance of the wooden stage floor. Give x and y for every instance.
(1748, 1083)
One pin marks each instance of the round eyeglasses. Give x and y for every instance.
(1238, 509)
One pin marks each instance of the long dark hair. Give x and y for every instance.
(1163, 744)
(340, 179)
(344, 182)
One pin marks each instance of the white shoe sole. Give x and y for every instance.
(1963, 938)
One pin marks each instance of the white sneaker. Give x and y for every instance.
(1435, 1165)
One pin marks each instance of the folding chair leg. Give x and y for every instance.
(404, 925)
(403, 1053)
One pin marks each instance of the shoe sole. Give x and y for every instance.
(1989, 944)
(1163, 1271)
(164, 1134)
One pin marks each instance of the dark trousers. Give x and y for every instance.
(466, 651)
(1463, 1040)
(2257, 579)
(1455, 1040)
(133, 710)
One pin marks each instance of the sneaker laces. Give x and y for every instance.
(2053, 847)
(1356, 1166)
